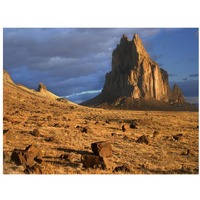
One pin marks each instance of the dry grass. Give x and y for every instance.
(24, 112)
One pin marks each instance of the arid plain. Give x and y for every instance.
(64, 132)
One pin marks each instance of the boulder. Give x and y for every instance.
(26, 157)
(18, 157)
(143, 139)
(102, 149)
(92, 161)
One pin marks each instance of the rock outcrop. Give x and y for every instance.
(136, 81)
(43, 90)
(177, 94)
(6, 77)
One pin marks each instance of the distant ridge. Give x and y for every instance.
(42, 89)
(136, 82)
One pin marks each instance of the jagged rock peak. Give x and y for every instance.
(6, 77)
(42, 87)
(177, 94)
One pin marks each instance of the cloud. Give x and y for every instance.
(192, 100)
(65, 60)
(194, 75)
(82, 96)
(172, 75)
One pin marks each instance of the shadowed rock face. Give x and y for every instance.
(177, 94)
(135, 76)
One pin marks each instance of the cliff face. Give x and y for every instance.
(134, 74)
(137, 82)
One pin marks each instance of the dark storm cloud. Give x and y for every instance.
(66, 60)
(194, 75)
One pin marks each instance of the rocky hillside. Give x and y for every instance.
(137, 82)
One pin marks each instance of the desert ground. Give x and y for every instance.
(65, 132)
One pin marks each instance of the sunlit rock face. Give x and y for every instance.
(137, 82)
(134, 74)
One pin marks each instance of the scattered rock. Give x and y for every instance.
(143, 139)
(92, 161)
(155, 133)
(35, 132)
(189, 152)
(133, 126)
(26, 157)
(197, 126)
(18, 157)
(115, 135)
(57, 125)
(125, 127)
(103, 149)
(36, 169)
(107, 122)
(49, 118)
(50, 139)
(125, 138)
(66, 156)
(123, 168)
(178, 137)
(84, 130)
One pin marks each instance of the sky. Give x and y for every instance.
(73, 62)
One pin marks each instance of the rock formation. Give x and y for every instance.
(135, 80)
(6, 77)
(43, 90)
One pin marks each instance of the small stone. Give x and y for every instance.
(155, 133)
(103, 149)
(125, 127)
(66, 156)
(178, 137)
(133, 126)
(123, 168)
(114, 135)
(36, 133)
(143, 139)
(84, 130)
